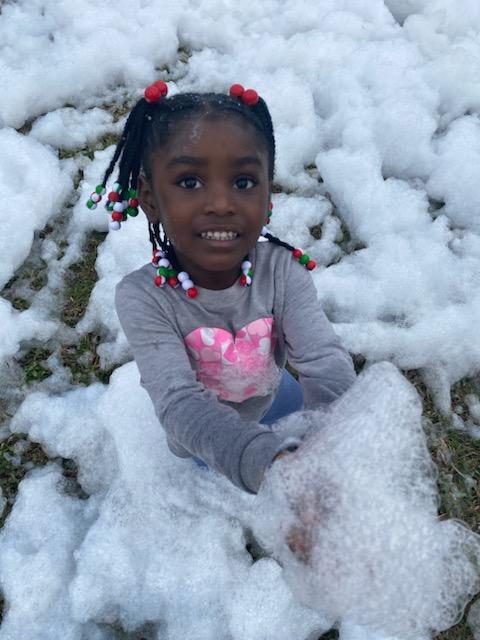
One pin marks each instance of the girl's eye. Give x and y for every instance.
(244, 182)
(189, 182)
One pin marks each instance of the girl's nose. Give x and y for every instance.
(219, 201)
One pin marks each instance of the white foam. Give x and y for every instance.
(69, 128)
(366, 484)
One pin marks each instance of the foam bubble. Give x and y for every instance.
(362, 496)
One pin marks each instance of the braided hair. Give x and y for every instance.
(150, 125)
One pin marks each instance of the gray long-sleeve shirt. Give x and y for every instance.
(211, 364)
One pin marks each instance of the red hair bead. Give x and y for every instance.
(243, 280)
(192, 292)
(311, 264)
(113, 196)
(162, 87)
(173, 282)
(297, 253)
(249, 97)
(159, 280)
(236, 90)
(117, 216)
(152, 93)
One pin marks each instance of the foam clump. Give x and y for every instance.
(361, 501)
(69, 128)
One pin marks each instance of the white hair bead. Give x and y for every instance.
(187, 284)
(163, 262)
(95, 197)
(114, 225)
(246, 265)
(182, 276)
(118, 206)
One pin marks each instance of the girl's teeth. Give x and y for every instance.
(219, 235)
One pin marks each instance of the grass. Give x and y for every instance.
(11, 474)
(33, 364)
(84, 362)
(81, 280)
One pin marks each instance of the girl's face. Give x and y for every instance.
(210, 178)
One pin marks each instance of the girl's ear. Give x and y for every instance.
(146, 199)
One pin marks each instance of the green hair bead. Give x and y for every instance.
(304, 259)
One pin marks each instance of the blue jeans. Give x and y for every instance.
(288, 399)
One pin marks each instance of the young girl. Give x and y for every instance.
(212, 320)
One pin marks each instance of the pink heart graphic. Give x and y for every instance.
(235, 367)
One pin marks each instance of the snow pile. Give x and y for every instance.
(126, 554)
(69, 52)
(140, 548)
(33, 187)
(361, 494)
(70, 129)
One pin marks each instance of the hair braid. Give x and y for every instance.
(278, 242)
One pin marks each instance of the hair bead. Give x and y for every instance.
(250, 97)
(155, 91)
(236, 90)
(247, 96)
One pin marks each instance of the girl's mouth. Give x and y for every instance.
(219, 235)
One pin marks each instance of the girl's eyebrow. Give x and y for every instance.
(186, 160)
(247, 160)
(204, 161)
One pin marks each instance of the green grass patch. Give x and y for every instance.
(20, 304)
(33, 270)
(457, 457)
(84, 362)
(12, 474)
(33, 364)
(80, 280)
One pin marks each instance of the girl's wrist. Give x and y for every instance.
(290, 449)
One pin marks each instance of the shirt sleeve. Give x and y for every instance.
(195, 422)
(324, 366)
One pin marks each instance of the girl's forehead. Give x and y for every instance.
(201, 133)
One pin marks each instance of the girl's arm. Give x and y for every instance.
(195, 422)
(324, 365)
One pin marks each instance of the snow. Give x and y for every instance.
(70, 129)
(376, 110)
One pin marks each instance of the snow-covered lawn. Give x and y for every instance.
(376, 106)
